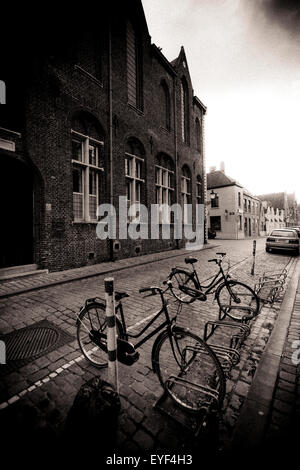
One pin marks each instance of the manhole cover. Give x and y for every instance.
(30, 343)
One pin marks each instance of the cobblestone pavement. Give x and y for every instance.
(35, 400)
(283, 431)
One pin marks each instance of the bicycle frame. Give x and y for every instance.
(215, 281)
(167, 323)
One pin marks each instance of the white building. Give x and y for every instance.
(233, 212)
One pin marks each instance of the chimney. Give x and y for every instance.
(222, 167)
(212, 168)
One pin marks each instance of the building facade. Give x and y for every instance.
(101, 113)
(279, 210)
(233, 212)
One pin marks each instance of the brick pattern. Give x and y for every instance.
(47, 386)
(60, 87)
(285, 413)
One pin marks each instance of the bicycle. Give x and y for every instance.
(235, 299)
(187, 368)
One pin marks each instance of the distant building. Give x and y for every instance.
(280, 210)
(233, 211)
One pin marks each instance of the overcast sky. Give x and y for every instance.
(244, 61)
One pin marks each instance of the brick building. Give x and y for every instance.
(97, 113)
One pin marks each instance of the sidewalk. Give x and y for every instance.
(29, 284)
(268, 421)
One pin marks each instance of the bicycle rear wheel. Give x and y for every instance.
(92, 318)
(178, 278)
(189, 371)
(237, 300)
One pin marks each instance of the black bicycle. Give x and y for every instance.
(186, 366)
(235, 299)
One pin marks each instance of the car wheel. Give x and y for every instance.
(268, 249)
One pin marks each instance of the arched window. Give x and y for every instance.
(134, 173)
(88, 162)
(186, 193)
(198, 134)
(199, 190)
(134, 68)
(164, 186)
(184, 104)
(165, 100)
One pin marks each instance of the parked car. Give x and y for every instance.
(283, 239)
(211, 233)
(298, 230)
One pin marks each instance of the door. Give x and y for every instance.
(16, 189)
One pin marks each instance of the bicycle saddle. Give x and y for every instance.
(120, 295)
(190, 260)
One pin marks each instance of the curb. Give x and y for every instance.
(98, 273)
(254, 417)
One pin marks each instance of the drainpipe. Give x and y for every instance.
(175, 150)
(204, 178)
(110, 240)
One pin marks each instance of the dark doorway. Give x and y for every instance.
(16, 192)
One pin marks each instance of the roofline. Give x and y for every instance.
(199, 103)
(222, 186)
(164, 61)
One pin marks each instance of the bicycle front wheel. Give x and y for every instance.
(237, 300)
(189, 371)
(181, 279)
(92, 318)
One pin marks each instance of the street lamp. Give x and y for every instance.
(212, 194)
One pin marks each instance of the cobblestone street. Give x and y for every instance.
(36, 398)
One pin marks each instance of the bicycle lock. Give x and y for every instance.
(111, 332)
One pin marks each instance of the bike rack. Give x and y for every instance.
(270, 286)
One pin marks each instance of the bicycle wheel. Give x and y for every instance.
(237, 300)
(92, 317)
(189, 371)
(179, 277)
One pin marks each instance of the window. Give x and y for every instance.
(186, 193)
(245, 204)
(164, 182)
(184, 105)
(199, 194)
(86, 160)
(239, 199)
(240, 223)
(198, 134)
(215, 223)
(134, 68)
(249, 206)
(134, 168)
(215, 201)
(165, 99)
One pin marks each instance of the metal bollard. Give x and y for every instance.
(254, 252)
(111, 333)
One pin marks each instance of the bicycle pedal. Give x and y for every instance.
(201, 297)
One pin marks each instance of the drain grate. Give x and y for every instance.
(30, 343)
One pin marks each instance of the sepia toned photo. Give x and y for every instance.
(150, 249)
